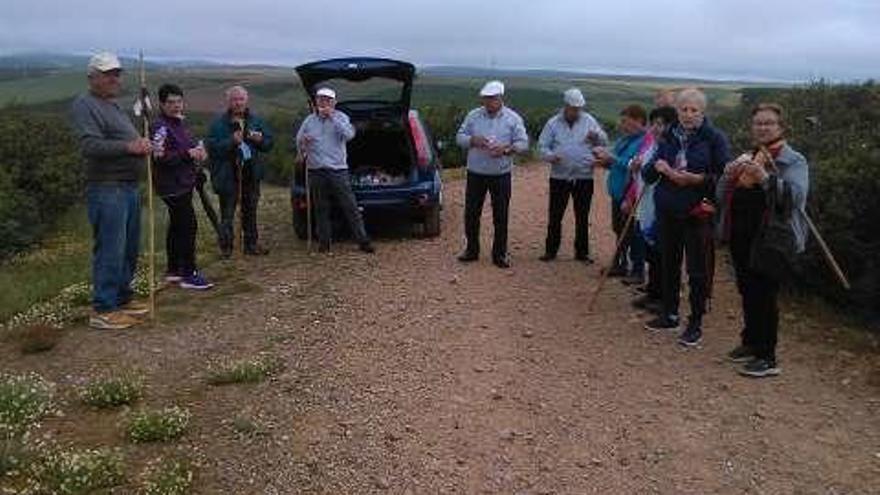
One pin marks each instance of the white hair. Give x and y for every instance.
(235, 89)
(691, 95)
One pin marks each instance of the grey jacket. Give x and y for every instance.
(793, 169)
(569, 143)
(506, 127)
(104, 131)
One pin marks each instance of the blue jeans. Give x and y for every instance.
(115, 214)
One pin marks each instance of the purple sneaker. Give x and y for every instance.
(195, 281)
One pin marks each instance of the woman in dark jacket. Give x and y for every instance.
(176, 153)
(689, 161)
(743, 193)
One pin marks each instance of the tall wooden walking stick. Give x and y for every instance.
(626, 226)
(144, 106)
(239, 172)
(308, 206)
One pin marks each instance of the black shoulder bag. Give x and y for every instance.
(775, 246)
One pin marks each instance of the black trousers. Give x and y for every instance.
(581, 193)
(654, 287)
(329, 187)
(684, 239)
(180, 240)
(250, 198)
(759, 293)
(498, 187)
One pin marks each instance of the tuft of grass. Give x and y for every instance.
(24, 400)
(107, 393)
(244, 371)
(37, 338)
(75, 472)
(168, 477)
(158, 425)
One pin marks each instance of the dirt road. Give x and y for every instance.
(409, 373)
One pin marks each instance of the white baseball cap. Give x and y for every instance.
(329, 93)
(574, 98)
(104, 62)
(492, 88)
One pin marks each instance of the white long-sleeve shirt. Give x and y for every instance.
(327, 136)
(569, 143)
(506, 127)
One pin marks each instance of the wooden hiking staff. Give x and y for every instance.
(823, 246)
(626, 226)
(239, 169)
(151, 256)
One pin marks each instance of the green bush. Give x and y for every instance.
(168, 477)
(76, 472)
(158, 426)
(107, 393)
(837, 127)
(40, 175)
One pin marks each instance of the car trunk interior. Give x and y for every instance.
(381, 153)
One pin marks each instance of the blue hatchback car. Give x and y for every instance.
(394, 164)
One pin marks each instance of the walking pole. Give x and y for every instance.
(829, 257)
(308, 206)
(239, 170)
(604, 276)
(151, 256)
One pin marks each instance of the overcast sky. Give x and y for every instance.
(765, 39)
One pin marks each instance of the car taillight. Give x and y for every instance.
(423, 153)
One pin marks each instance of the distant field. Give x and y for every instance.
(279, 89)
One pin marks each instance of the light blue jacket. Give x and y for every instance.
(505, 127)
(327, 148)
(569, 143)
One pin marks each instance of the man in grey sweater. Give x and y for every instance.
(113, 152)
(322, 139)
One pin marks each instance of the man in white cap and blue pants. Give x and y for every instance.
(492, 134)
(322, 139)
(566, 143)
(113, 152)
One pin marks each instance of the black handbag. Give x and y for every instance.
(775, 245)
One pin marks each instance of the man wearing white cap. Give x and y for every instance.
(492, 134)
(567, 142)
(322, 139)
(113, 151)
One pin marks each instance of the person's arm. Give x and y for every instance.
(219, 139)
(520, 142)
(601, 135)
(267, 142)
(343, 125)
(465, 132)
(649, 169)
(91, 140)
(546, 141)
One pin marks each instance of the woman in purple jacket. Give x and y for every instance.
(176, 154)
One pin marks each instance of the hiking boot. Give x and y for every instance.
(195, 281)
(256, 250)
(760, 368)
(547, 257)
(692, 336)
(468, 257)
(585, 258)
(663, 323)
(648, 303)
(367, 247)
(135, 308)
(112, 320)
(501, 261)
(324, 247)
(742, 354)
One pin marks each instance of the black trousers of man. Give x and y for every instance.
(680, 237)
(250, 198)
(180, 241)
(498, 187)
(581, 193)
(759, 292)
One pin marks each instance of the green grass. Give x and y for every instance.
(76, 472)
(106, 393)
(24, 401)
(168, 477)
(242, 371)
(158, 425)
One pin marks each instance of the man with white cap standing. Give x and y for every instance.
(567, 143)
(113, 151)
(322, 139)
(492, 134)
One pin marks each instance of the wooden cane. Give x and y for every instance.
(151, 256)
(604, 276)
(239, 231)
